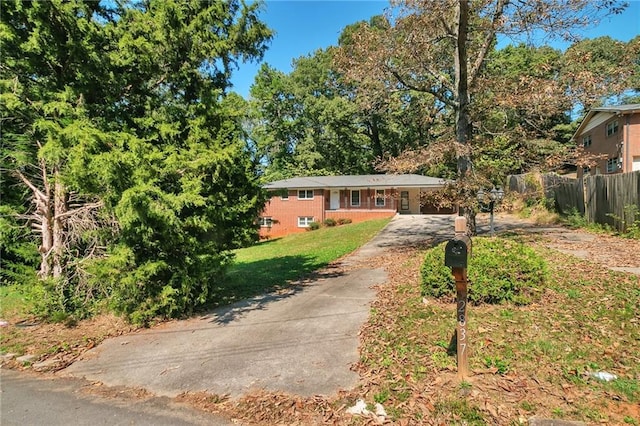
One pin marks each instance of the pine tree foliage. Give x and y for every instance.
(126, 150)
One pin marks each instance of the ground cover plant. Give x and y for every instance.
(500, 270)
(271, 264)
(526, 360)
(265, 267)
(533, 360)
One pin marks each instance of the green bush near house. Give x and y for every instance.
(343, 221)
(500, 270)
(330, 222)
(314, 225)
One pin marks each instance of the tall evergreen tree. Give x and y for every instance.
(121, 130)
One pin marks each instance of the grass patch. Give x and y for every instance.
(272, 264)
(460, 412)
(17, 301)
(532, 360)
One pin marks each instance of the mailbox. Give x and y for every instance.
(456, 252)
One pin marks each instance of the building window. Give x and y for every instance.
(285, 196)
(305, 194)
(612, 128)
(613, 165)
(265, 221)
(586, 141)
(355, 198)
(304, 221)
(380, 197)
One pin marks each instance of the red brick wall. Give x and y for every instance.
(367, 200)
(285, 213)
(628, 131)
(632, 139)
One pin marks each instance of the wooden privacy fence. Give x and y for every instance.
(606, 199)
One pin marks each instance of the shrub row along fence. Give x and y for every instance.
(605, 199)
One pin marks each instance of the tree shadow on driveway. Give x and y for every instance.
(259, 283)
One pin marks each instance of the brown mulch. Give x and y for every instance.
(58, 345)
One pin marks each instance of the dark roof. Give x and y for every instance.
(615, 109)
(619, 109)
(358, 181)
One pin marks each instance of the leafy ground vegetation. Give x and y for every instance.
(268, 266)
(533, 360)
(530, 360)
(526, 360)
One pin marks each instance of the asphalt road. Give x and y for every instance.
(302, 342)
(27, 399)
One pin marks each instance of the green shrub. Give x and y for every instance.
(344, 221)
(629, 224)
(500, 270)
(313, 226)
(330, 222)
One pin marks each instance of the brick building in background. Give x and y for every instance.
(297, 202)
(613, 131)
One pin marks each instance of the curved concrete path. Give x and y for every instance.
(302, 342)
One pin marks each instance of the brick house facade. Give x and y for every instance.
(613, 132)
(297, 202)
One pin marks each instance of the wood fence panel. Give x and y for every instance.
(603, 199)
(611, 199)
(569, 196)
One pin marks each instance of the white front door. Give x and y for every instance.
(334, 200)
(404, 200)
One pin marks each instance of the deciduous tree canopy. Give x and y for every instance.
(443, 48)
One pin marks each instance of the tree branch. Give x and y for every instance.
(486, 44)
(79, 210)
(39, 194)
(438, 94)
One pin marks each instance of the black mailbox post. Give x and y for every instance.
(456, 252)
(456, 255)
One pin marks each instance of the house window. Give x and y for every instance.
(285, 196)
(265, 221)
(355, 198)
(305, 194)
(612, 128)
(613, 164)
(304, 221)
(586, 141)
(380, 197)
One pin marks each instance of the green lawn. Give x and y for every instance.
(271, 264)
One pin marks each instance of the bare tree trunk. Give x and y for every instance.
(58, 229)
(463, 120)
(45, 217)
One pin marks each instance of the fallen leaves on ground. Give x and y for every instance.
(525, 361)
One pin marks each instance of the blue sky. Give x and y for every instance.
(303, 26)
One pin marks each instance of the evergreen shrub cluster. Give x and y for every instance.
(500, 270)
(329, 222)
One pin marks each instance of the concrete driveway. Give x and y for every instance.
(302, 342)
